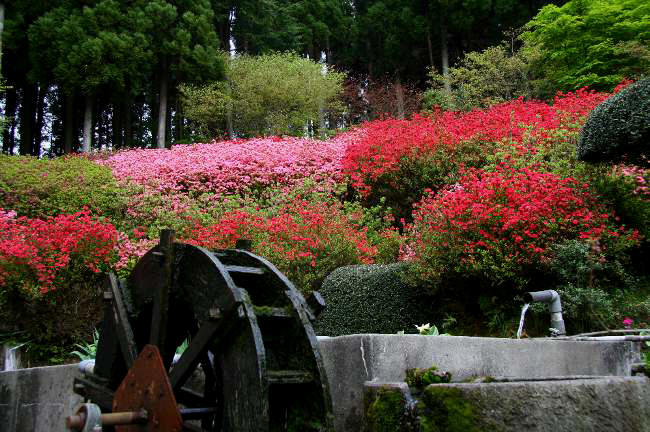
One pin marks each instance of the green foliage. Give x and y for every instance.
(371, 299)
(420, 378)
(595, 43)
(595, 285)
(272, 94)
(47, 187)
(54, 322)
(207, 106)
(87, 350)
(618, 127)
(106, 44)
(479, 80)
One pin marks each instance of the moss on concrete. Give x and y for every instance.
(444, 409)
(420, 378)
(386, 410)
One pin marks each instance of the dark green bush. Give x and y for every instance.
(596, 286)
(51, 324)
(47, 187)
(371, 299)
(618, 127)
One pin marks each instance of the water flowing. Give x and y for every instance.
(521, 320)
(11, 362)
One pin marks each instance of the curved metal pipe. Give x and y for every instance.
(552, 298)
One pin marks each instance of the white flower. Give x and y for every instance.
(424, 328)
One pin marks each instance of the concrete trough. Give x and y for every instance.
(353, 360)
(38, 399)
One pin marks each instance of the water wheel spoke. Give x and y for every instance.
(289, 377)
(160, 310)
(193, 354)
(189, 397)
(121, 321)
(213, 389)
(244, 269)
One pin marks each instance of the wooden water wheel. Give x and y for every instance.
(252, 361)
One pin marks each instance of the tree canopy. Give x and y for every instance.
(271, 94)
(595, 43)
(109, 70)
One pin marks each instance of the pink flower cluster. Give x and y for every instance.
(226, 167)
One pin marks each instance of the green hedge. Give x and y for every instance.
(47, 187)
(371, 299)
(620, 126)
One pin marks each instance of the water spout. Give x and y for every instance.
(521, 320)
(11, 360)
(552, 298)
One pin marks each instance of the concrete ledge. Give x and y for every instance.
(352, 360)
(37, 399)
(613, 404)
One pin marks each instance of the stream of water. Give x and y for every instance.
(521, 320)
(11, 361)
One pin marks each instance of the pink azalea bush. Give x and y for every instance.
(229, 167)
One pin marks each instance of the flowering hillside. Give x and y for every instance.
(229, 167)
(486, 203)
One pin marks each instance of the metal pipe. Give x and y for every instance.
(78, 421)
(629, 338)
(617, 331)
(552, 298)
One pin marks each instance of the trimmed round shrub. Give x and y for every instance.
(619, 126)
(371, 299)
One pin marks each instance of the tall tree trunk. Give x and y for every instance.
(101, 124)
(328, 51)
(369, 53)
(117, 125)
(168, 121)
(444, 51)
(2, 26)
(229, 109)
(140, 126)
(40, 110)
(178, 119)
(27, 118)
(162, 109)
(399, 97)
(224, 27)
(128, 125)
(9, 120)
(69, 124)
(88, 124)
(430, 46)
(153, 110)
